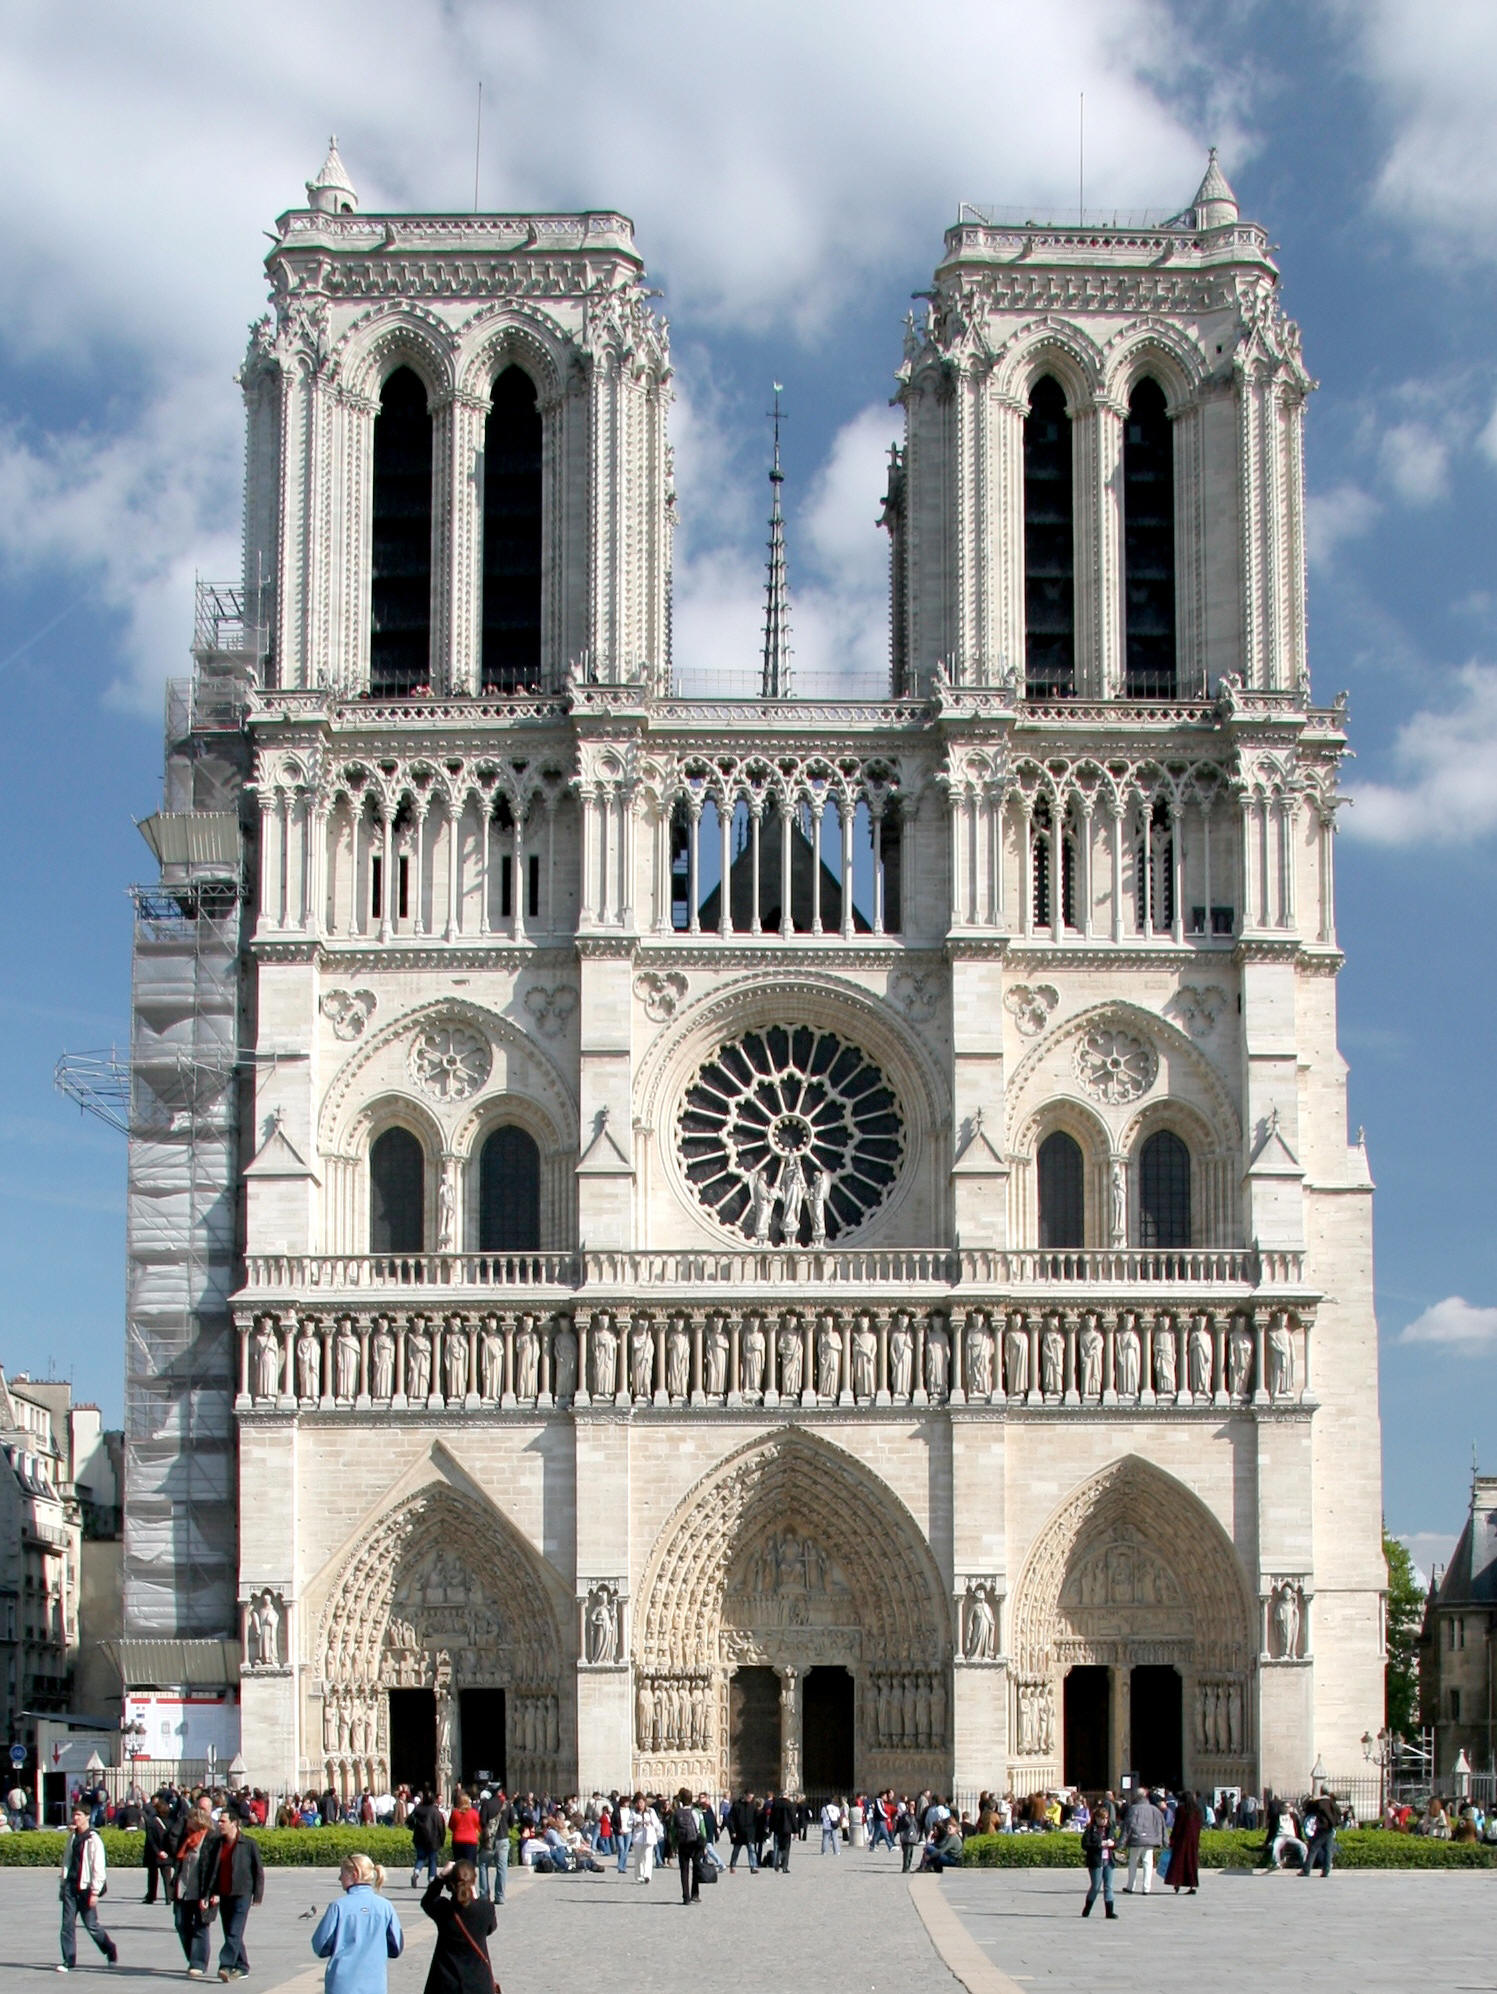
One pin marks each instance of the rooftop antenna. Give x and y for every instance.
(776, 679)
(477, 144)
(1081, 164)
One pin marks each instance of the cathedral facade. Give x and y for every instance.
(778, 1241)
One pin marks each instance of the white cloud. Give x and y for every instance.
(777, 162)
(1449, 760)
(1428, 1548)
(1343, 513)
(1437, 74)
(1456, 1322)
(1486, 441)
(1415, 462)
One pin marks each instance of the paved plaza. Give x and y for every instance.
(852, 1923)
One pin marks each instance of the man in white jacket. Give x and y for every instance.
(84, 1871)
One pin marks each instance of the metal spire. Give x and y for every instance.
(776, 679)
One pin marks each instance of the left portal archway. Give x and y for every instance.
(446, 1600)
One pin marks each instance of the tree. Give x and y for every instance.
(1405, 1618)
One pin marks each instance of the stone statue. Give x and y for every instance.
(1280, 1356)
(791, 1355)
(417, 1361)
(828, 1355)
(1016, 1357)
(266, 1635)
(864, 1358)
(564, 1360)
(1090, 1348)
(1286, 1619)
(1052, 1358)
(382, 1356)
(761, 1205)
(605, 1356)
(527, 1358)
(977, 1350)
(644, 1717)
(1046, 1718)
(715, 1357)
(267, 1350)
(1239, 1357)
(1118, 1187)
(752, 1350)
(937, 1710)
(937, 1358)
(901, 1355)
(980, 1640)
(1198, 1356)
(1129, 1357)
(602, 1625)
(491, 1360)
(447, 1206)
(1234, 1717)
(792, 1199)
(1164, 1357)
(677, 1358)
(308, 1362)
(456, 1363)
(345, 1360)
(641, 1359)
(817, 1186)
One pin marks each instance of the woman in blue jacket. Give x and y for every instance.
(359, 1933)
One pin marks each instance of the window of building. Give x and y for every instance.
(1061, 1174)
(1154, 873)
(1149, 545)
(1164, 1191)
(509, 1193)
(512, 535)
(1045, 840)
(1455, 1706)
(1049, 545)
(400, 594)
(397, 1193)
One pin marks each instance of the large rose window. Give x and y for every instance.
(790, 1136)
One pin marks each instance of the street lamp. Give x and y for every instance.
(1379, 1751)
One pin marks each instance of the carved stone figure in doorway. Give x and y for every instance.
(715, 1356)
(1198, 1353)
(977, 1350)
(382, 1359)
(791, 1355)
(527, 1358)
(677, 1358)
(564, 1361)
(1286, 1616)
(901, 1355)
(641, 1359)
(828, 1356)
(752, 1350)
(980, 1636)
(267, 1361)
(1239, 1357)
(417, 1361)
(1016, 1357)
(1280, 1356)
(1052, 1358)
(605, 1356)
(864, 1358)
(937, 1359)
(1129, 1357)
(1089, 1351)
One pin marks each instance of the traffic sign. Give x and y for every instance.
(18, 1755)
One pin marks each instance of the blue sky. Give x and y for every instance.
(790, 170)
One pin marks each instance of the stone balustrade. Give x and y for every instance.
(1112, 1270)
(1026, 1357)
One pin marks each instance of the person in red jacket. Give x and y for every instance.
(464, 1827)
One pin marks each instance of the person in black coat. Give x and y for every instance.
(742, 1816)
(428, 1832)
(156, 1857)
(231, 1877)
(464, 1921)
(782, 1827)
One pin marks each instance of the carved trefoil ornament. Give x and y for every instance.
(551, 1009)
(450, 1062)
(1198, 1006)
(1113, 1065)
(662, 992)
(1030, 1005)
(348, 1011)
(916, 992)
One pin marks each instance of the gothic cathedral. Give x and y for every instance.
(774, 1240)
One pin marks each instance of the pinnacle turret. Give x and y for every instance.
(776, 679)
(332, 192)
(1215, 204)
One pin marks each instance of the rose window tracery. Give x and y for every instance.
(790, 1136)
(450, 1061)
(1114, 1066)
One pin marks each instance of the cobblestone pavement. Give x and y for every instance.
(1374, 1930)
(845, 1922)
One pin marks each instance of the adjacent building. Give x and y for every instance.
(1458, 1643)
(786, 1240)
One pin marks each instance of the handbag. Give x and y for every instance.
(457, 1919)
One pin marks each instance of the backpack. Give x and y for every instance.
(688, 1828)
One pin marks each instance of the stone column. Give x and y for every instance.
(791, 1717)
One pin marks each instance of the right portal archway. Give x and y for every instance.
(1133, 1593)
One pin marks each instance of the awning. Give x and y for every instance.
(193, 837)
(175, 1664)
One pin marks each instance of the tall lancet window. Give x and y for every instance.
(1149, 545)
(1049, 546)
(512, 535)
(400, 639)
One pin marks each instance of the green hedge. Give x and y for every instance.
(281, 1848)
(1235, 1848)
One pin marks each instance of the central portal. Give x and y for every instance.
(482, 1715)
(413, 1738)
(1154, 1713)
(754, 1730)
(827, 1748)
(1087, 1728)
